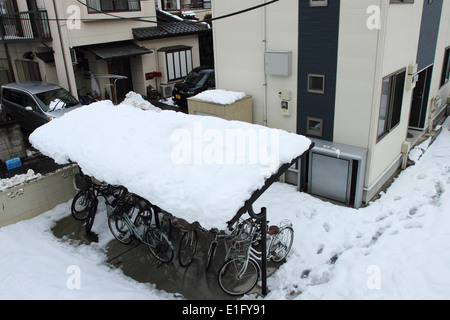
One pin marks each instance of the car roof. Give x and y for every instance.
(32, 86)
(203, 69)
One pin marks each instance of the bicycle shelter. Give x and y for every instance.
(198, 168)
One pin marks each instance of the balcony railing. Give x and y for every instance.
(196, 4)
(25, 26)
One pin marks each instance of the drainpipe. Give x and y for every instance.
(265, 76)
(62, 48)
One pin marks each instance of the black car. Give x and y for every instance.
(198, 80)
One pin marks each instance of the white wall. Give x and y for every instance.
(401, 38)
(239, 55)
(442, 43)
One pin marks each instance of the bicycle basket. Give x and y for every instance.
(82, 182)
(236, 247)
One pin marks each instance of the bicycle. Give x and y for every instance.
(131, 219)
(243, 229)
(84, 204)
(188, 245)
(241, 271)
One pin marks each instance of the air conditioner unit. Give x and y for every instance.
(165, 90)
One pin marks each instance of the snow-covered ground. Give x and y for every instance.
(398, 247)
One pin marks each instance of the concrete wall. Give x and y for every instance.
(32, 198)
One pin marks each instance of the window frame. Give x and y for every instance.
(312, 131)
(394, 103)
(318, 3)
(401, 1)
(309, 90)
(445, 76)
(90, 5)
(178, 70)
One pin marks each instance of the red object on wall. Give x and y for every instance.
(151, 75)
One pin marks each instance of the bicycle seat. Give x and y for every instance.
(273, 230)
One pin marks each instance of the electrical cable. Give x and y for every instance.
(151, 21)
(184, 20)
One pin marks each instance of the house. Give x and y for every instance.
(360, 78)
(128, 45)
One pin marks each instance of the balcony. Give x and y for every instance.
(196, 4)
(25, 26)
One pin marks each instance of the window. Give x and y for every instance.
(446, 67)
(179, 62)
(170, 5)
(318, 3)
(402, 1)
(316, 83)
(28, 70)
(113, 5)
(314, 126)
(391, 103)
(206, 4)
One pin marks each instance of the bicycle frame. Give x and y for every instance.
(255, 254)
(140, 233)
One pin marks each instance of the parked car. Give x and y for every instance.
(35, 103)
(198, 80)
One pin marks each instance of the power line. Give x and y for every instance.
(113, 15)
(184, 20)
(145, 20)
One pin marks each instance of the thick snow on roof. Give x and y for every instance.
(198, 168)
(220, 96)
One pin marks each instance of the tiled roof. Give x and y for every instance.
(169, 26)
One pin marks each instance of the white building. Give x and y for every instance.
(356, 76)
(67, 42)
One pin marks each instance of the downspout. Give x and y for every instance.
(264, 34)
(62, 47)
(377, 77)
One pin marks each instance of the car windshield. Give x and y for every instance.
(196, 78)
(55, 99)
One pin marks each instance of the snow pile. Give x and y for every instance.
(134, 99)
(220, 96)
(36, 265)
(56, 104)
(397, 247)
(418, 150)
(197, 168)
(18, 179)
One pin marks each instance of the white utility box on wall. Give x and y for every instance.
(278, 63)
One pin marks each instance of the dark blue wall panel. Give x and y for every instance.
(429, 30)
(317, 54)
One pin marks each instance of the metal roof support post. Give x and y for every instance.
(261, 218)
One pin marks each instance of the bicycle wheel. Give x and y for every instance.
(281, 244)
(80, 205)
(211, 253)
(158, 244)
(119, 228)
(236, 281)
(187, 248)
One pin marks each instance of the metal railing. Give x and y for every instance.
(197, 4)
(25, 26)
